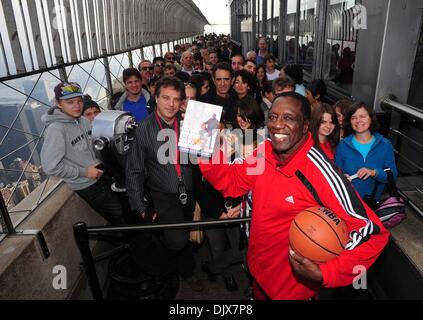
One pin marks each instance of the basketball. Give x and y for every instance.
(318, 234)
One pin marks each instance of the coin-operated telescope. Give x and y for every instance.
(112, 136)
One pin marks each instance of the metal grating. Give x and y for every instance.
(40, 34)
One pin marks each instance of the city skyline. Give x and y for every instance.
(14, 190)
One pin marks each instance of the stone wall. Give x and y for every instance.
(24, 272)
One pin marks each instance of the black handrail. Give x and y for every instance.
(182, 225)
(81, 233)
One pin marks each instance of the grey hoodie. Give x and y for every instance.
(67, 151)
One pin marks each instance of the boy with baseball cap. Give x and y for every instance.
(68, 153)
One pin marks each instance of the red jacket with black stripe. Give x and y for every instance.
(280, 192)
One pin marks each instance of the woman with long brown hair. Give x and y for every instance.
(325, 129)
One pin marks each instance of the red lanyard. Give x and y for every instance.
(176, 126)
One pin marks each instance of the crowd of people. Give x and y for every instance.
(312, 153)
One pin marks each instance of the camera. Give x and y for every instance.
(228, 205)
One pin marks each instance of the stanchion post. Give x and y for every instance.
(81, 236)
(5, 221)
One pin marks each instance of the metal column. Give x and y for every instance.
(258, 18)
(108, 79)
(254, 25)
(63, 74)
(318, 59)
(264, 18)
(131, 62)
(154, 50)
(297, 31)
(282, 33)
(272, 24)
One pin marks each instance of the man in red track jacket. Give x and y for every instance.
(287, 175)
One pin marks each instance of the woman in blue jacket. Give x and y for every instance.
(364, 153)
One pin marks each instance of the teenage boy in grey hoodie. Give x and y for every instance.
(68, 153)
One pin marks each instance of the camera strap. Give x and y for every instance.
(176, 130)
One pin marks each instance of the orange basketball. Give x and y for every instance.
(318, 234)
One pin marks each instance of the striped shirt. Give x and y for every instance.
(145, 163)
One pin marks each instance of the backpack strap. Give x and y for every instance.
(392, 188)
(373, 194)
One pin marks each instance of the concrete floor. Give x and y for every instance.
(213, 290)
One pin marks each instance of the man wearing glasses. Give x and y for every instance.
(171, 59)
(158, 63)
(68, 153)
(208, 67)
(146, 70)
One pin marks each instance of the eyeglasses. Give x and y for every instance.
(170, 58)
(159, 65)
(147, 68)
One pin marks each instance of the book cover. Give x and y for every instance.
(200, 128)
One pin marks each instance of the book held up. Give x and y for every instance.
(200, 128)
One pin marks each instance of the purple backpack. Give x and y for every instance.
(391, 211)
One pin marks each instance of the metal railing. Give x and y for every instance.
(405, 135)
(405, 109)
(82, 235)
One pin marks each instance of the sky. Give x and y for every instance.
(217, 13)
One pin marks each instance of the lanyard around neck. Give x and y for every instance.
(176, 128)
